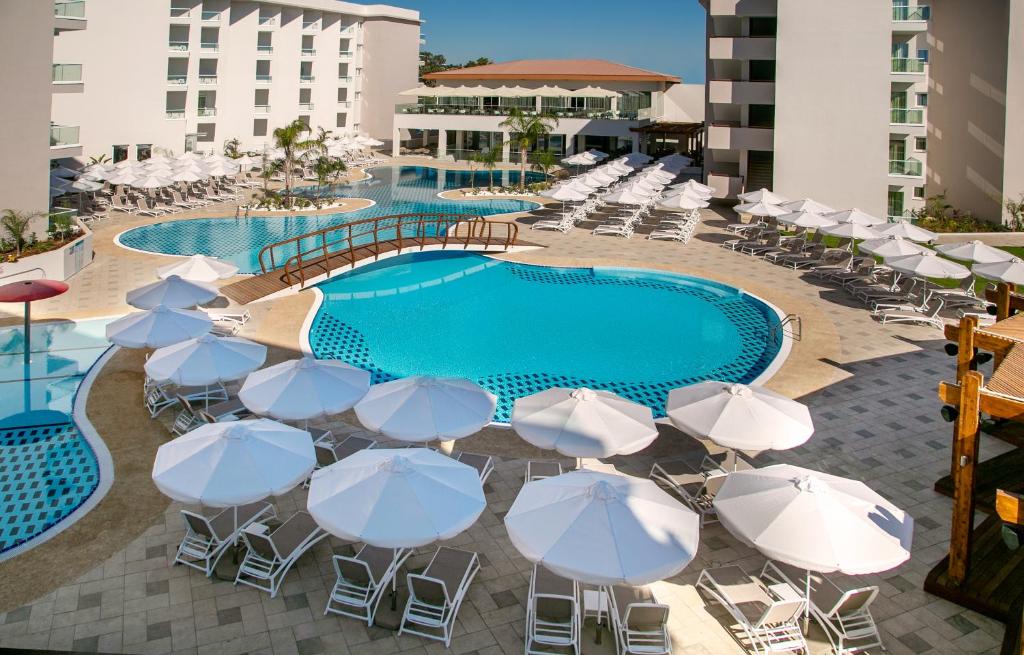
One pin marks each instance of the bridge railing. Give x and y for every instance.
(315, 250)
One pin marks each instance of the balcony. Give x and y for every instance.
(210, 47)
(309, 52)
(177, 80)
(741, 48)
(175, 114)
(207, 79)
(742, 7)
(261, 110)
(206, 111)
(67, 78)
(306, 105)
(344, 80)
(177, 46)
(476, 110)
(268, 21)
(306, 79)
(311, 26)
(730, 136)
(64, 141)
(181, 12)
(265, 49)
(211, 16)
(739, 92)
(348, 31)
(68, 16)
(905, 168)
(264, 79)
(344, 104)
(908, 66)
(725, 185)
(899, 116)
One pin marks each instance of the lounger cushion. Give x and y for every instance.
(450, 566)
(293, 532)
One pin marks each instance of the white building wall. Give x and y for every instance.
(390, 64)
(684, 103)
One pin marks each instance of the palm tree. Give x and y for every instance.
(526, 131)
(545, 161)
(473, 160)
(15, 224)
(328, 170)
(489, 159)
(289, 139)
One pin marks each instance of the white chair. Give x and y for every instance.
(436, 595)
(362, 580)
(769, 622)
(929, 316)
(484, 464)
(639, 621)
(208, 535)
(552, 613)
(696, 490)
(271, 554)
(542, 470)
(158, 396)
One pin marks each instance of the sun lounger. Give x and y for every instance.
(146, 210)
(328, 452)
(696, 490)
(552, 613)
(930, 315)
(271, 554)
(362, 580)
(542, 470)
(484, 464)
(436, 595)
(639, 621)
(769, 621)
(845, 616)
(190, 416)
(159, 396)
(208, 534)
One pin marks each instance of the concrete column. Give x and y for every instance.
(426, 138)
(615, 104)
(581, 143)
(636, 141)
(396, 140)
(506, 146)
(538, 104)
(459, 139)
(442, 144)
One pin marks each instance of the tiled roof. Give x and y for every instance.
(554, 69)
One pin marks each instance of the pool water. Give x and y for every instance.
(517, 329)
(47, 468)
(394, 189)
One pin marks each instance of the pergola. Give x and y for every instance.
(692, 134)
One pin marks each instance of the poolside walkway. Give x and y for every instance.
(871, 390)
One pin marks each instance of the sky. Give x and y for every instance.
(666, 36)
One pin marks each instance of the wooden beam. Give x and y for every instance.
(1010, 507)
(965, 454)
(982, 340)
(965, 354)
(1005, 299)
(992, 404)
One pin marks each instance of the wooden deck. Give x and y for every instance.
(1000, 472)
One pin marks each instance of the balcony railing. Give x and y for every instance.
(177, 46)
(175, 114)
(906, 14)
(344, 104)
(263, 78)
(180, 12)
(210, 47)
(306, 79)
(266, 21)
(906, 167)
(309, 52)
(344, 79)
(262, 109)
(177, 80)
(63, 135)
(306, 105)
(207, 111)
(67, 73)
(899, 116)
(910, 65)
(207, 79)
(265, 49)
(348, 31)
(311, 25)
(345, 54)
(69, 9)
(211, 16)
(504, 111)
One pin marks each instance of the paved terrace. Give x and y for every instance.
(106, 584)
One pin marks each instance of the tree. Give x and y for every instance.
(328, 170)
(1015, 208)
(545, 161)
(479, 61)
(431, 63)
(526, 131)
(231, 148)
(102, 159)
(473, 160)
(291, 142)
(15, 224)
(489, 159)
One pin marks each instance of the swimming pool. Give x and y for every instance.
(517, 329)
(394, 189)
(47, 467)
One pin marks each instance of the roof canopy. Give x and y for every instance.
(554, 69)
(545, 91)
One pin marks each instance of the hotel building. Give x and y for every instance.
(188, 75)
(875, 104)
(598, 104)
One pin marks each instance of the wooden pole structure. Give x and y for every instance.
(966, 434)
(965, 342)
(1004, 308)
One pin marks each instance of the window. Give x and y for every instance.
(762, 70)
(763, 25)
(340, 122)
(207, 132)
(120, 153)
(761, 116)
(259, 127)
(919, 193)
(922, 99)
(922, 55)
(143, 151)
(921, 144)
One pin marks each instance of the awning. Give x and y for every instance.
(664, 127)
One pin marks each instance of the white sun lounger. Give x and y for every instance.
(696, 490)
(208, 534)
(552, 613)
(930, 316)
(271, 554)
(436, 595)
(639, 621)
(484, 464)
(362, 580)
(541, 470)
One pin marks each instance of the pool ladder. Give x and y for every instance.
(790, 326)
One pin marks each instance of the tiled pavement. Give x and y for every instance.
(880, 425)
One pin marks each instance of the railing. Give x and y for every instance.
(180, 12)
(210, 47)
(918, 13)
(908, 65)
(265, 48)
(262, 109)
(176, 114)
(178, 46)
(306, 79)
(344, 54)
(207, 79)
(898, 116)
(67, 73)
(908, 167)
(345, 104)
(316, 249)
(211, 16)
(348, 31)
(312, 25)
(263, 78)
(306, 105)
(207, 111)
(594, 114)
(63, 135)
(309, 52)
(268, 20)
(73, 9)
(177, 79)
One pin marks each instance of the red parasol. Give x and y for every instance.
(27, 292)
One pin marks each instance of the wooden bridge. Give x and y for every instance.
(313, 257)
